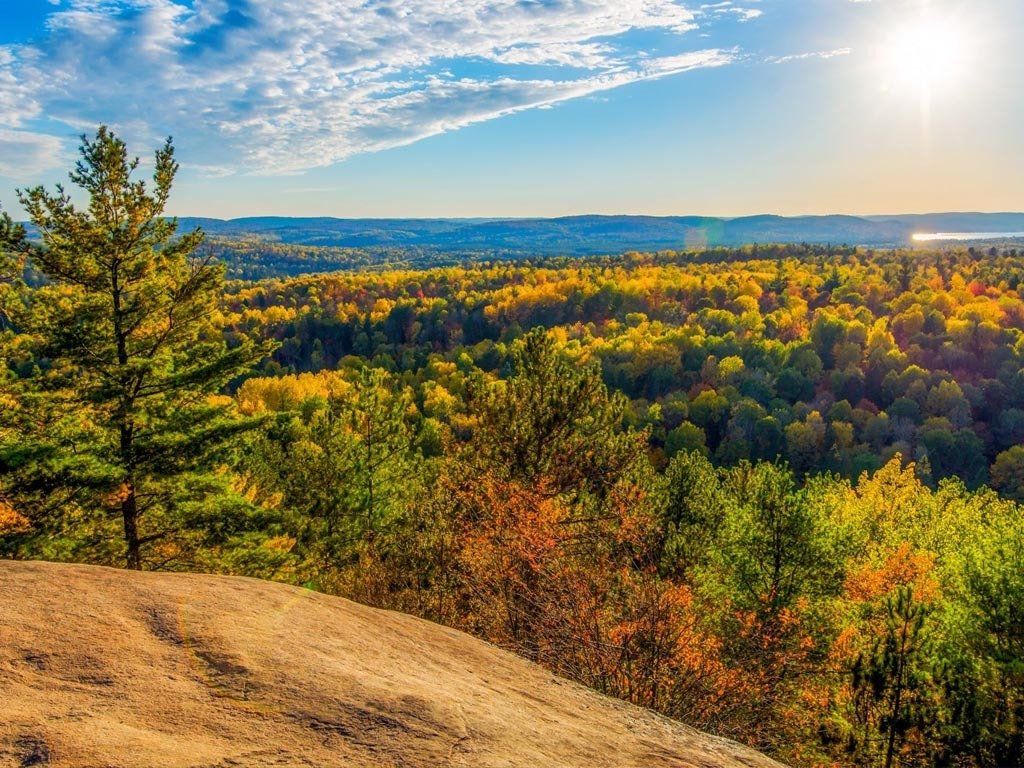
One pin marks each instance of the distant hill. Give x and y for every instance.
(101, 667)
(586, 235)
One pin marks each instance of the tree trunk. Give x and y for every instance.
(890, 751)
(130, 514)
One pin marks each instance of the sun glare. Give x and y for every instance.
(927, 55)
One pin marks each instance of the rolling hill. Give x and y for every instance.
(587, 235)
(101, 667)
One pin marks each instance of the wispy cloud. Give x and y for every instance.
(23, 153)
(835, 52)
(277, 86)
(744, 12)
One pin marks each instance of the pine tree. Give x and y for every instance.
(385, 460)
(12, 239)
(131, 356)
(553, 421)
(890, 683)
(348, 467)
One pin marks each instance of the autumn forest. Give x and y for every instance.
(771, 491)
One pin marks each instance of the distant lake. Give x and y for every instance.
(929, 236)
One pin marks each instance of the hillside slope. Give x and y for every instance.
(593, 234)
(100, 667)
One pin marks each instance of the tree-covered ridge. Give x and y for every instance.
(591, 235)
(257, 259)
(832, 359)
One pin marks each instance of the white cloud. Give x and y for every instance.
(283, 85)
(742, 13)
(583, 55)
(24, 155)
(810, 55)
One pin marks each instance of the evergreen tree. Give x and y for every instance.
(12, 238)
(553, 421)
(890, 684)
(130, 355)
(692, 513)
(385, 461)
(347, 468)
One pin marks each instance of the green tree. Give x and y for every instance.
(826, 332)
(385, 462)
(987, 699)
(684, 438)
(764, 580)
(12, 240)
(347, 468)
(130, 352)
(890, 684)
(1008, 473)
(772, 547)
(553, 421)
(692, 512)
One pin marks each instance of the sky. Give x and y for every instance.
(460, 108)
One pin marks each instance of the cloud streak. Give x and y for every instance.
(286, 85)
(834, 53)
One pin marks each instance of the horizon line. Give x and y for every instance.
(527, 217)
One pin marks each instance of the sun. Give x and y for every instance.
(927, 55)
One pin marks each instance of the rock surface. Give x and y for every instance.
(101, 667)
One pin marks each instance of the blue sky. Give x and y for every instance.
(529, 107)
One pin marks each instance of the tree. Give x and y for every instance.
(1008, 473)
(346, 465)
(890, 683)
(127, 338)
(12, 237)
(768, 571)
(12, 240)
(793, 386)
(772, 547)
(988, 701)
(555, 422)
(685, 438)
(385, 460)
(692, 512)
(552, 504)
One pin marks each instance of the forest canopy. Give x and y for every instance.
(831, 359)
(772, 491)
